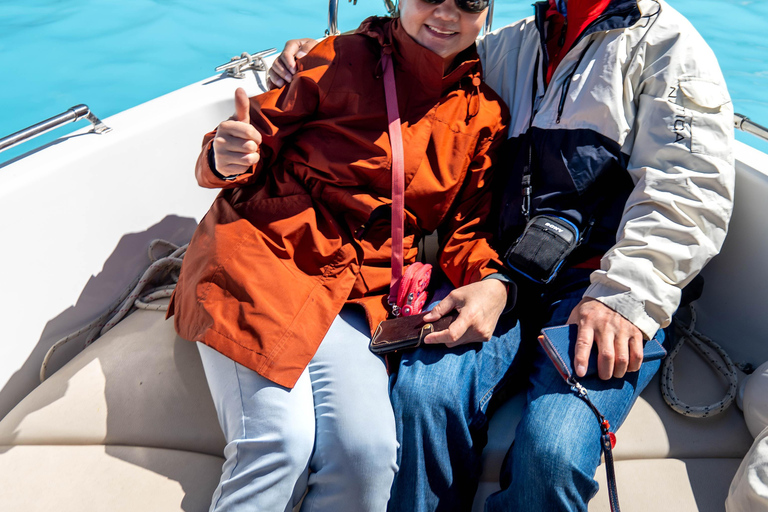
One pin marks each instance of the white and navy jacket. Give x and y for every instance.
(634, 133)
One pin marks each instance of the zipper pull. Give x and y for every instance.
(527, 189)
(408, 309)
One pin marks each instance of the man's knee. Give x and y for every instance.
(563, 452)
(547, 471)
(424, 402)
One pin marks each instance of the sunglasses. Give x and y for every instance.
(470, 6)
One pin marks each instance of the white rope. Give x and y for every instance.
(165, 268)
(704, 346)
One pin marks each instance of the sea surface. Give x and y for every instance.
(113, 55)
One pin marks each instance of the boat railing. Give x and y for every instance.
(333, 15)
(73, 114)
(745, 124)
(740, 121)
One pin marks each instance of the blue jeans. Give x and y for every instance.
(441, 398)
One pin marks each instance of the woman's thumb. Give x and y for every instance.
(242, 106)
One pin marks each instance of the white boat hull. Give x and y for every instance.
(79, 215)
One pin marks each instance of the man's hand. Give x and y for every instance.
(284, 67)
(236, 145)
(619, 341)
(479, 305)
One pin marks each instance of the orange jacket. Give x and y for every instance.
(277, 256)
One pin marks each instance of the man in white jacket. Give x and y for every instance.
(622, 125)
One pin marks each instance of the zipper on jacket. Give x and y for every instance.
(567, 83)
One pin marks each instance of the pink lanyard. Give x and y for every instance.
(398, 177)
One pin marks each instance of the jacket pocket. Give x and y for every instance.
(296, 230)
(711, 116)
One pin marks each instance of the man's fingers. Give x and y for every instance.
(284, 67)
(606, 354)
(289, 54)
(621, 356)
(584, 340)
(242, 106)
(278, 74)
(635, 352)
(455, 333)
(296, 49)
(274, 82)
(441, 309)
(451, 336)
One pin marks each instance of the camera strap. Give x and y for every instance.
(398, 181)
(407, 290)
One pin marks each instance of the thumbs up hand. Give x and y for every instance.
(236, 144)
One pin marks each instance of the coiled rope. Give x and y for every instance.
(704, 347)
(161, 270)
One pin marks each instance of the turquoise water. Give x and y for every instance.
(113, 55)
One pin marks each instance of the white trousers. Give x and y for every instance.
(331, 436)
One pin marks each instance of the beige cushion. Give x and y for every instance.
(105, 478)
(657, 485)
(668, 484)
(139, 385)
(653, 430)
(128, 424)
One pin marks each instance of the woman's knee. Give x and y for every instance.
(286, 449)
(359, 448)
(371, 466)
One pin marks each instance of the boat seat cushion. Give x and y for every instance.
(96, 478)
(141, 386)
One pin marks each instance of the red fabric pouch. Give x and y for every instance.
(412, 294)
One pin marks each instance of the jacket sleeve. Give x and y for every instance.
(681, 162)
(466, 255)
(277, 115)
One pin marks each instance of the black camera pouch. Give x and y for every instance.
(544, 245)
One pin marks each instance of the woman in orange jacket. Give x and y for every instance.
(288, 272)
